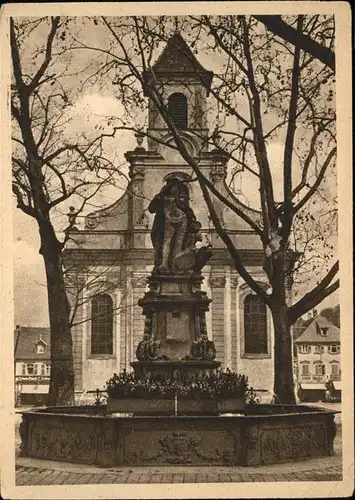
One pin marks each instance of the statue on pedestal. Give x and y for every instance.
(175, 335)
(176, 231)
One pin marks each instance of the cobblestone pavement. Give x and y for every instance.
(35, 476)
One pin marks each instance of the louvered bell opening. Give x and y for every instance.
(177, 106)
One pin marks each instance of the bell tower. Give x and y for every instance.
(184, 85)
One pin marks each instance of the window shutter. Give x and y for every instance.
(177, 106)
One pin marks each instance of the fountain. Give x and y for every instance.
(175, 346)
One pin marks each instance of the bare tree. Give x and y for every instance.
(290, 34)
(260, 76)
(52, 166)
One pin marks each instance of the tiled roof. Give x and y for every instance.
(313, 332)
(26, 340)
(176, 58)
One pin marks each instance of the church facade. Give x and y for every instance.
(109, 260)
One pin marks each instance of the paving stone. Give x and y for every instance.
(236, 478)
(75, 478)
(22, 479)
(84, 479)
(51, 478)
(178, 478)
(156, 478)
(43, 474)
(95, 479)
(224, 478)
(133, 478)
(107, 478)
(144, 478)
(62, 477)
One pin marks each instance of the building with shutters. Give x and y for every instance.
(318, 359)
(109, 323)
(32, 365)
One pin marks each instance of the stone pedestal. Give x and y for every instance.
(185, 370)
(175, 335)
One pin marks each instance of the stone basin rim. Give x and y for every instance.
(60, 411)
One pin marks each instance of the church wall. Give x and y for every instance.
(258, 367)
(92, 370)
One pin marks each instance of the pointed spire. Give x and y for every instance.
(178, 59)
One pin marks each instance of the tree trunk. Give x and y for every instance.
(283, 370)
(282, 265)
(61, 386)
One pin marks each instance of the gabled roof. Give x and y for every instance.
(313, 332)
(26, 340)
(177, 58)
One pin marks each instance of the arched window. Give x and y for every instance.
(255, 327)
(177, 106)
(102, 325)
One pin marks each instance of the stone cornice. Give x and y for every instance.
(141, 154)
(250, 257)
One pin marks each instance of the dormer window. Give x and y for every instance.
(324, 332)
(40, 348)
(177, 106)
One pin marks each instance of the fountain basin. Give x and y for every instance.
(265, 434)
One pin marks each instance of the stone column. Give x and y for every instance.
(227, 319)
(129, 320)
(218, 174)
(217, 283)
(234, 320)
(206, 285)
(118, 329)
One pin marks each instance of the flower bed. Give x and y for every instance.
(223, 391)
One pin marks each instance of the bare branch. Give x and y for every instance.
(283, 30)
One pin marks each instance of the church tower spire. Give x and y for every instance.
(184, 84)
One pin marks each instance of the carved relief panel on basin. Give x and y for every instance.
(182, 447)
(293, 443)
(69, 441)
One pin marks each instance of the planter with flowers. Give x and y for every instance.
(219, 392)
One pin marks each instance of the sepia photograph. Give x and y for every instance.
(176, 247)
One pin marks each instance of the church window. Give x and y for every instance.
(255, 327)
(102, 325)
(177, 106)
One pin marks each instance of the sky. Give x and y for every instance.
(29, 277)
